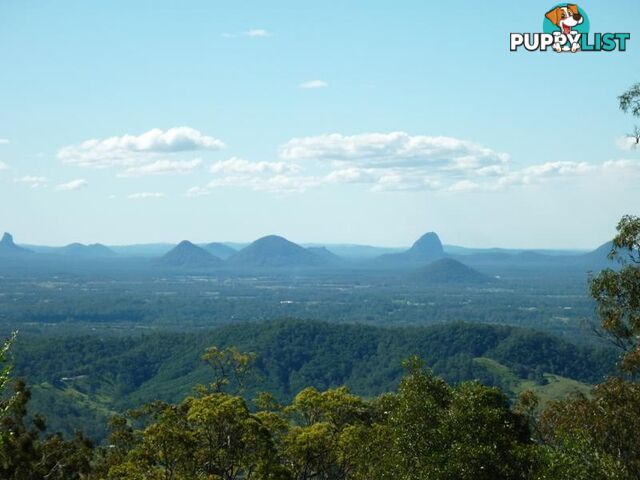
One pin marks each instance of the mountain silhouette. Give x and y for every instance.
(275, 251)
(447, 271)
(188, 255)
(8, 247)
(93, 250)
(425, 250)
(219, 250)
(325, 253)
(601, 253)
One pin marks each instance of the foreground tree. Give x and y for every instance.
(435, 431)
(617, 293)
(28, 453)
(629, 102)
(596, 437)
(6, 399)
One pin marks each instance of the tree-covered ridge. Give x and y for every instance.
(82, 380)
(423, 429)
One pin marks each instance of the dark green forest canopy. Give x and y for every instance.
(85, 378)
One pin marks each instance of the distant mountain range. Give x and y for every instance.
(427, 260)
(425, 250)
(326, 254)
(448, 271)
(94, 250)
(9, 248)
(219, 250)
(188, 255)
(275, 252)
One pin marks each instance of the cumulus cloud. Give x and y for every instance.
(163, 167)
(383, 179)
(72, 185)
(352, 175)
(314, 84)
(417, 179)
(280, 177)
(131, 150)
(397, 161)
(549, 170)
(3, 166)
(146, 195)
(401, 181)
(276, 184)
(394, 149)
(280, 184)
(235, 165)
(32, 181)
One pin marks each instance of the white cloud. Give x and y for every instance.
(146, 195)
(385, 179)
(236, 165)
(625, 167)
(394, 149)
(3, 166)
(397, 161)
(257, 32)
(163, 167)
(404, 181)
(33, 181)
(131, 150)
(627, 143)
(72, 185)
(352, 175)
(253, 33)
(4, 141)
(314, 84)
(274, 177)
(463, 186)
(279, 184)
(419, 179)
(198, 191)
(544, 171)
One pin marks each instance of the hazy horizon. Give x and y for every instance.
(240, 243)
(135, 122)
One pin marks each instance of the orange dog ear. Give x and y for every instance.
(573, 8)
(554, 15)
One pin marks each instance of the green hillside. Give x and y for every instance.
(547, 388)
(80, 380)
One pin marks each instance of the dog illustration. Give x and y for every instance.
(565, 18)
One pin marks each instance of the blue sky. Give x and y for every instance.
(343, 122)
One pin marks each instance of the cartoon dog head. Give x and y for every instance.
(565, 18)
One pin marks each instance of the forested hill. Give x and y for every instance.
(84, 379)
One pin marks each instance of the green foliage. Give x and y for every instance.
(229, 366)
(629, 101)
(81, 381)
(424, 429)
(605, 429)
(6, 399)
(27, 453)
(617, 293)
